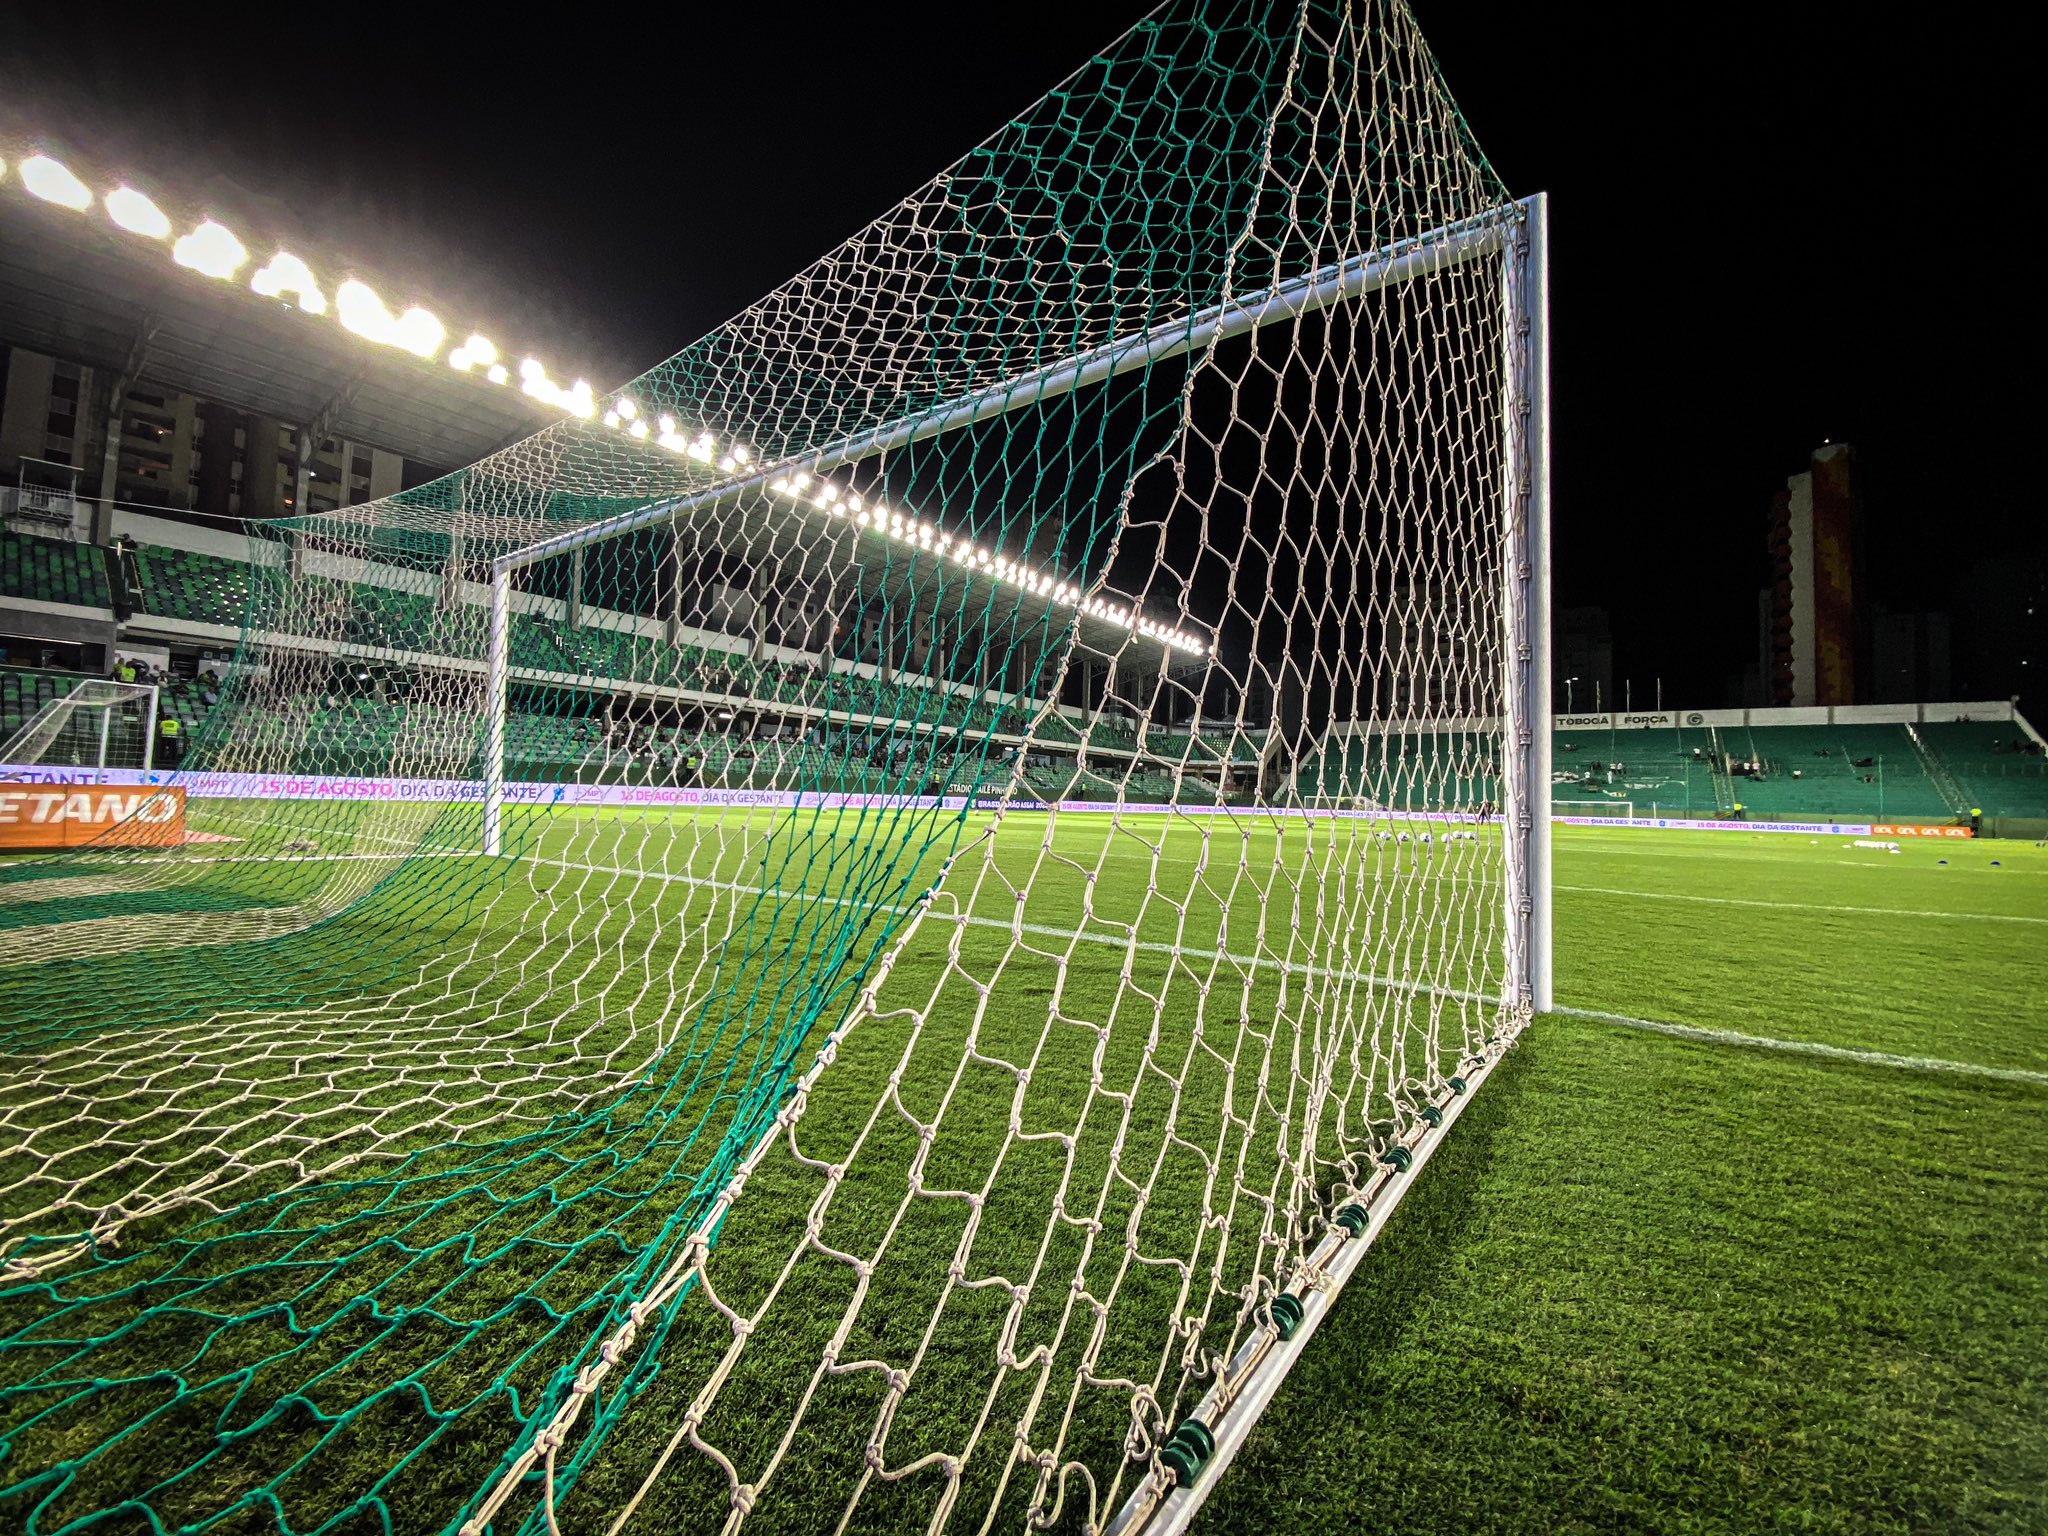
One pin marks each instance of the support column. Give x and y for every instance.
(110, 465)
(672, 616)
(764, 594)
(575, 609)
(302, 476)
(451, 575)
(497, 672)
(1526, 748)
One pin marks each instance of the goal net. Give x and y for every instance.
(841, 939)
(99, 724)
(1622, 809)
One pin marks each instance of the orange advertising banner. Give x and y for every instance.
(43, 816)
(1879, 829)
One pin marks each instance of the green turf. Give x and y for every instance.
(1654, 1285)
(1649, 1283)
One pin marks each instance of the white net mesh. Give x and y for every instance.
(997, 807)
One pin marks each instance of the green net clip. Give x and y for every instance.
(1286, 1314)
(1432, 1114)
(1398, 1159)
(1187, 1450)
(1457, 1085)
(1353, 1219)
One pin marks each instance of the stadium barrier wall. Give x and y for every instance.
(528, 792)
(1999, 711)
(2025, 828)
(44, 816)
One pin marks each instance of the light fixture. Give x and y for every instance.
(214, 251)
(420, 333)
(477, 352)
(135, 213)
(286, 274)
(211, 250)
(53, 182)
(360, 310)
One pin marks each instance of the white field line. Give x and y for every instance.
(1804, 906)
(1654, 1026)
(1811, 1048)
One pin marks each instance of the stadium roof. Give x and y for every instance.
(86, 275)
(95, 270)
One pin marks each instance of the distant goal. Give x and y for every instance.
(99, 725)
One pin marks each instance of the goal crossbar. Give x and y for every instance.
(1400, 262)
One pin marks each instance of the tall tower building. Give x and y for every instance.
(1819, 647)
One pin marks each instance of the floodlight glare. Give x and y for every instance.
(211, 250)
(361, 311)
(53, 183)
(286, 274)
(135, 213)
(419, 332)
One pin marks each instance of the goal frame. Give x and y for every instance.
(1518, 233)
(1620, 810)
(106, 707)
(1163, 1503)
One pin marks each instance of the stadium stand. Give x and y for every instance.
(185, 584)
(1448, 771)
(23, 691)
(53, 571)
(1834, 772)
(1996, 767)
(1934, 771)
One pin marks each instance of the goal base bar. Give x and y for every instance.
(1163, 1505)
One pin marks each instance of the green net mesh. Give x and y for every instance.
(835, 997)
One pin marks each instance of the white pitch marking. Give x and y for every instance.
(1806, 906)
(1811, 1048)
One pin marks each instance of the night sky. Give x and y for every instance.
(1770, 227)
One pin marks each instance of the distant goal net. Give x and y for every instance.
(843, 939)
(1620, 810)
(99, 724)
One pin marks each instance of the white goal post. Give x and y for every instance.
(1518, 234)
(99, 724)
(1623, 810)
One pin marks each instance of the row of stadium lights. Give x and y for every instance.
(212, 250)
(830, 498)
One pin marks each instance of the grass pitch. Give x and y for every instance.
(1652, 1282)
(1659, 1284)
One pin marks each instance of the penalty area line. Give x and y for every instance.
(1818, 1048)
(1805, 906)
